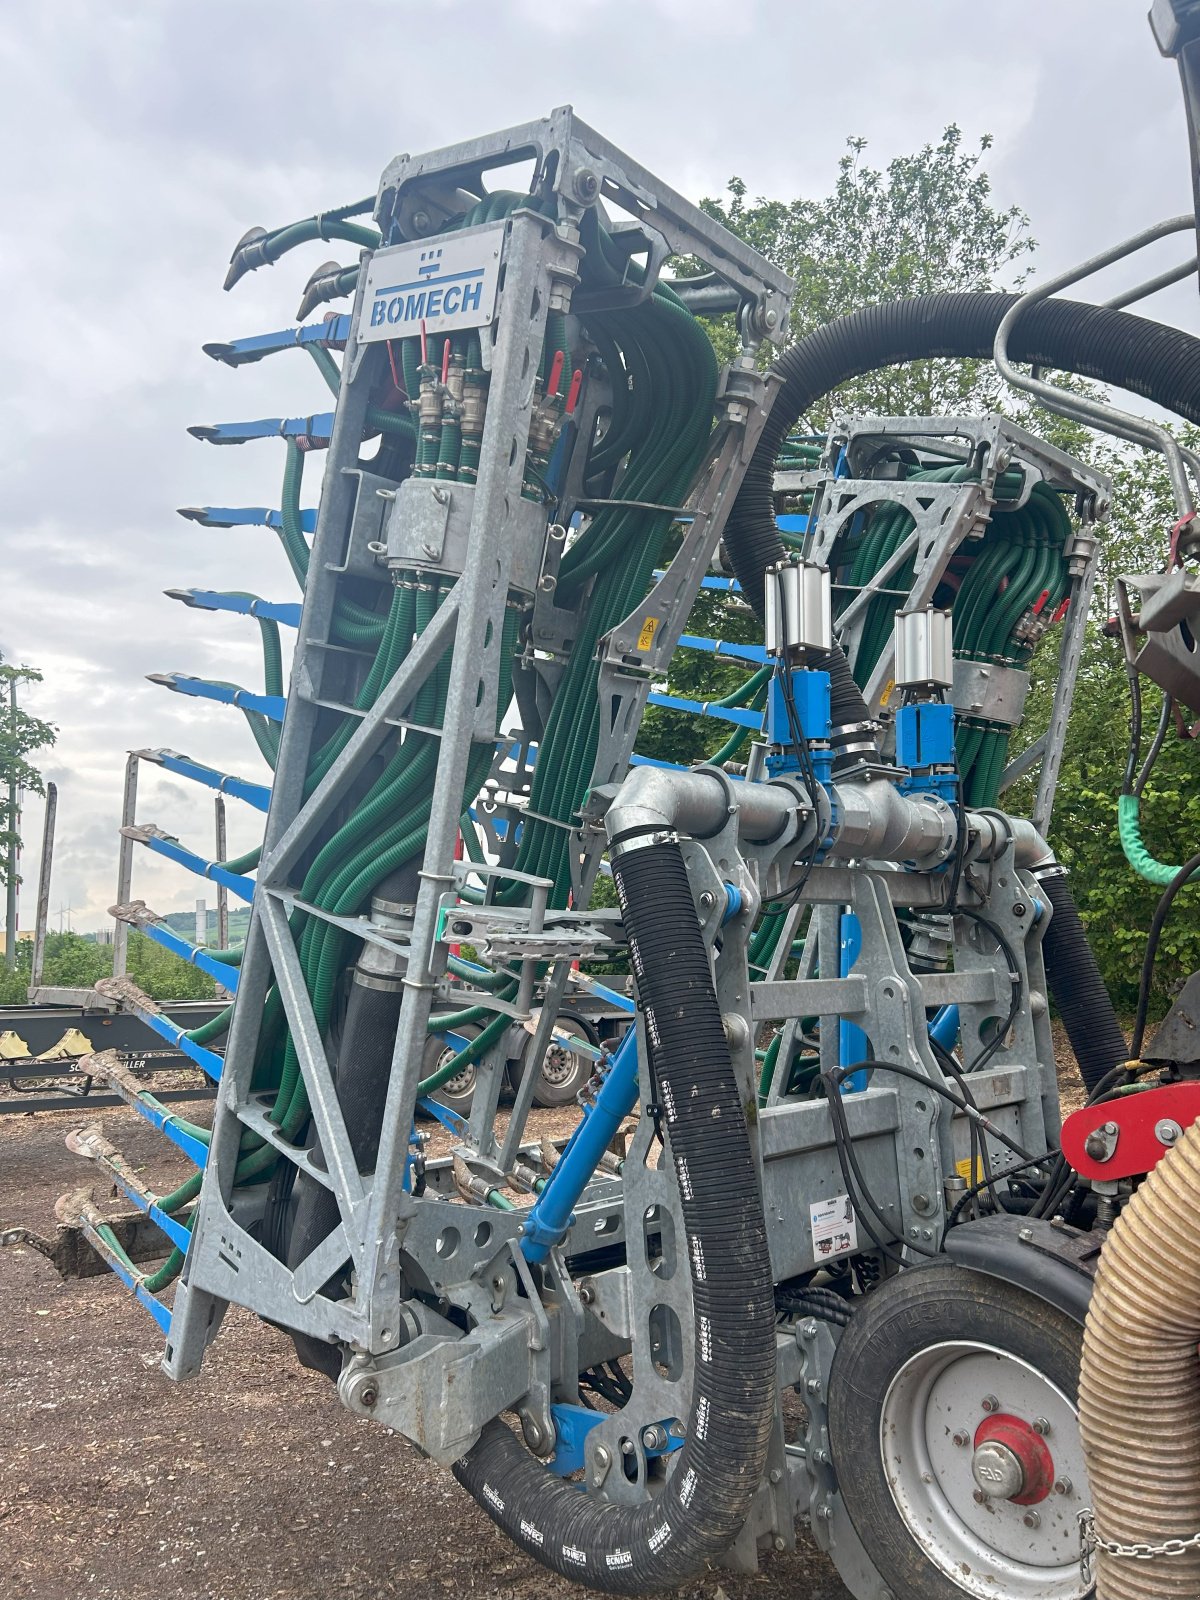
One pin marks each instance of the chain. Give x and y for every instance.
(1091, 1541)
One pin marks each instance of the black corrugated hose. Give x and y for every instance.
(1076, 984)
(1161, 364)
(636, 1549)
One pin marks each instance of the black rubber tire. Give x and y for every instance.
(459, 1097)
(905, 1315)
(549, 1094)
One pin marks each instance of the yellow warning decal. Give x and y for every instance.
(971, 1175)
(649, 629)
(887, 693)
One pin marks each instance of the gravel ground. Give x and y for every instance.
(248, 1483)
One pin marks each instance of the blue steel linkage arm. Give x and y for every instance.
(245, 605)
(165, 844)
(243, 517)
(267, 705)
(548, 1219)
(316, 430)
(195, 955)
(331, 331)
(257, 795)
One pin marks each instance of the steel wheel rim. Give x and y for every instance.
(558, 1065)
(984, 1548)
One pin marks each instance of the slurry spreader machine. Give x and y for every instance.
(818, 1249)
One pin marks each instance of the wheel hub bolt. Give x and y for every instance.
(990, 1403)
(1031, 1519)
(978, 1496)
(1040, 1425)
(1063, 1486)
(962, 1439)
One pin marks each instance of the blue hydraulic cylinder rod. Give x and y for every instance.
(549, 1217)
(943, 1029)
(852, 1041)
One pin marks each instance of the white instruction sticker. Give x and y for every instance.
(834, 1229)
(442, 285)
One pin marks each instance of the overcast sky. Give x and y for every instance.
(142, 140)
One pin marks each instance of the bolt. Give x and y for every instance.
(586, 185)
(603, 1456)
(978, 1496)
(1031, 1519)
(825, 1513)
(1111, 1129)
(780, 1542)
(587, 1294)
(1096, 1146)
(813, 1386)
(809, 1329)
(707, 900)
(962, 1439)
(626, 1447)
(654, 1437)
(1040, 1425)
(420, 222)
(1168, 1131)
(1020, 909)
(1063, 1486)
(922, 1204)
(532, 1430)
(990, 1403)
(821, 1457)
(367, 1396)
(774, 1475)
(927, 1477)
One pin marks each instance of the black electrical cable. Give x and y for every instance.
(1155, 934)
(1135, 727)
(1014, 973)
(968, 1108)
(857, 1191)
(981, 1159)
(816, 1301)
(1156, 744)
(968, 1195)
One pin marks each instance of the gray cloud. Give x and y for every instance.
(143, 140)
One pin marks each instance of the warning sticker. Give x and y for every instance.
(649, 629)
(834, 1229)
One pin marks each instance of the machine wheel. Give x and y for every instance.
(955, 1437)
(457, 1092)
(564, 1071)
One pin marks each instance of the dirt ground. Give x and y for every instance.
(248, 1483)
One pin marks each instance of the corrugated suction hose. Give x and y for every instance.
(637, 1549)
(1139, 1390)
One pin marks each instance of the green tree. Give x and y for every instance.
(924, 223)
(20, 736)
